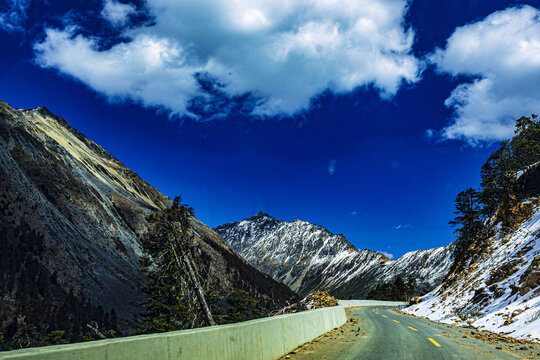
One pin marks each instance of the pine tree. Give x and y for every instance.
(176, 299)
(526, 142)
(497, 194)
(497, 176)
(468, 220)
(398, 289)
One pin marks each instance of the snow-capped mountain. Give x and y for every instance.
(305, 257)
(498, 289)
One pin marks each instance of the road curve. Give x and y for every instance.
(379, 333)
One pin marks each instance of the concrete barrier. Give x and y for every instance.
(355, 303)
(262, 339)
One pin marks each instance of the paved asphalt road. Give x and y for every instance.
(379, 333)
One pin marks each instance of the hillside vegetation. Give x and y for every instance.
(494, 282)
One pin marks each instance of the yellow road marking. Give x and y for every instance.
(396, 321)
(434, 342)
(384, 316)
(412, 328)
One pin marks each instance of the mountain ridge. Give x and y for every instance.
(71, 216)
(306, 256)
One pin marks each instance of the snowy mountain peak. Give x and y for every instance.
(306, 256)
(261, 215)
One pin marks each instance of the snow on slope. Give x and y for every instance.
(305, 256)
(499, 292)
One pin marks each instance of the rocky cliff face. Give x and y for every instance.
(74, 213)
(306, 257)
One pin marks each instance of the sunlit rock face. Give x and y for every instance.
(305, 257)
(88, 210)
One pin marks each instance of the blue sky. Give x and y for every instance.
(366, 117)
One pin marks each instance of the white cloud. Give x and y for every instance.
(141, 70)
(502, 52)
(117, 13)
(430, 133)
(13, 17)
(387, 254)
(332, 167)
(282, 52)
(403, 227)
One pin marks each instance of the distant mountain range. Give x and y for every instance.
(305, 257)
(70, 218)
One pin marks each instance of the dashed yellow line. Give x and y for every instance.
(396, 321)
(412, 328)
(434, 342)
(384, 316)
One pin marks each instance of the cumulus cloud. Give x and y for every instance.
(501, 53)
(332, 167)
(14, 15)
(283, 53)
(387, 254)
(117, 13)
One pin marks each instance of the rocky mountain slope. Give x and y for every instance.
(499, 286)
(305, 257)
(70, 217)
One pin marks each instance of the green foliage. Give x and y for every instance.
(169, 252)
(467, 212)
(526, 142)
(468, 221)
(497, 201)
(25, 336)
(88, 337)
(37, 302)
(496, 196)
(109, 334)
(498, 173)
(397, 290)
(55, 338)
(239, 306)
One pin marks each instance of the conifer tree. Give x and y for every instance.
(496, 174)
(526, 142)
(170, 262)
(499, 172)
(468, 221)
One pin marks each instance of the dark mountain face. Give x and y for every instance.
(70, 219)
(306, 257)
